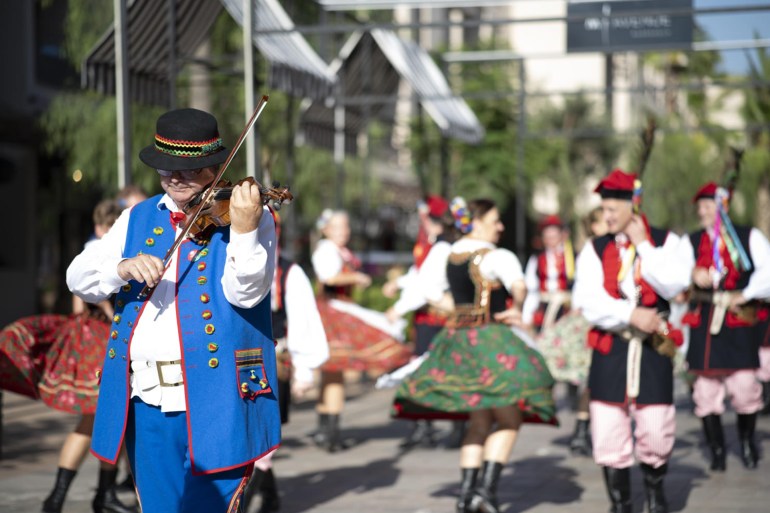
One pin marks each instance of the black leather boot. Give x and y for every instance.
(455, 438)
(55, 500)
(653, 487)
(618, 482)
(580, 444)
(334, 441)
(106, 500)
(271, 501)
(321, 434)
(715, 438)
(467, 485)
(254, 484)
(485, 496)
(746, 425)
(422, 434)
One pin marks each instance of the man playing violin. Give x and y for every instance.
(188, 378)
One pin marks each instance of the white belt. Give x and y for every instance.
(554, 300)
(149, 374)
(721, 300)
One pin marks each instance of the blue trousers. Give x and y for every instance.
(159, 454)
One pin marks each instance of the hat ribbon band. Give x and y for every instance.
(187, 148)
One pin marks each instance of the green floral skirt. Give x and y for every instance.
(565, 349)
(472, 369)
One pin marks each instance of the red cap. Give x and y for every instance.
(617, 185)
(437, 206)
(552, 220)
(708, 191)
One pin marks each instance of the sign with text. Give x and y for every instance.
(628, 25)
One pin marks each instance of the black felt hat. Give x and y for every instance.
(185, 139)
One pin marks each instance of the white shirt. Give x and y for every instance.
(246, 280)
(662, 267)
(305, 335)
(532, 281)
(758, 286)
(412, 295)
(499, 264)
(327, 260)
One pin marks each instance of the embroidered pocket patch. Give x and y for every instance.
(250, 373)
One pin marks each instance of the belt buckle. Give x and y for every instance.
(159, 366)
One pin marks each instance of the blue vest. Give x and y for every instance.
(228, 355)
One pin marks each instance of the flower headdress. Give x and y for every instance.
(461, 215)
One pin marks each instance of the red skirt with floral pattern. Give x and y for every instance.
(355, 345)
(55, 358)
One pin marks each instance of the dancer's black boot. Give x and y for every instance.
(467, 485)
(455, 438)
(254, 484)
(422, 434)
(321, 434)
(106, 500)
(485, 496)
(715, 438)
(618, 482)
(55, 500)
(271, 501)
(653, 487)
(334, 440)
(746, 425)
(580, 444)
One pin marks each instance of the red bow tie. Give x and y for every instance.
(176, 218)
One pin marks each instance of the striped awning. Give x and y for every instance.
(295, 68)
(369, 68)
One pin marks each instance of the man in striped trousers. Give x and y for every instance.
(725, 337)
(623, 282)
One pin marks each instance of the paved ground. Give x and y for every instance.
(372, 477)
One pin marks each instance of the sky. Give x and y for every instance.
(730, 27)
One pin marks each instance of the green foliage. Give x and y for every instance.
(82, 128)
(679, 164)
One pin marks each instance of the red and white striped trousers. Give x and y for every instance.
(742, 386)
(613, 444)
(763, 373)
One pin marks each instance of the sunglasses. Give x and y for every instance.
(186, 174)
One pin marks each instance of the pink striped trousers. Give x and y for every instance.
(742, 386)
(614, 443)
(763, 373)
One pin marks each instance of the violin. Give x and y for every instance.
(219, 209)
(216, 211)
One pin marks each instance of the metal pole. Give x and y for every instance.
(609, 83)
(122, 95)
(519, 179)
(248, 80)
(291, 224)
(171, 54)
(366, 114)
(339, 144)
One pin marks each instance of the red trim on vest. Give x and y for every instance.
(602, 340)
(561, 270)
(705, 260)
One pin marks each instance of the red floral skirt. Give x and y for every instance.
(54, 358)
(355, 345)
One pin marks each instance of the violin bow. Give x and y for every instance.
(190, 221)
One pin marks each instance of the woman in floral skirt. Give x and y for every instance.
(359, 339)
(478, 367)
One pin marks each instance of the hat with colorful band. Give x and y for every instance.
(617, 185)
(708, 191)
(185, 139)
